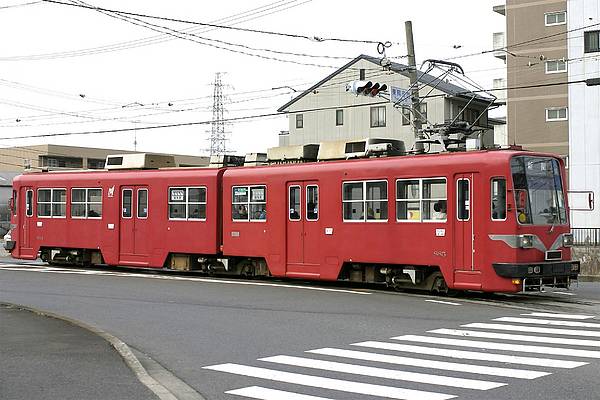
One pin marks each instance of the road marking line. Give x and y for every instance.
(521, 338)
(384, 373)
(532, 329)
(565, 316)
(564, 293)
(443, 365)
(329, 383)
(444, 302)
(548, 322)
(189, 279)
(261, 393)
(501, 346)
(473, 355)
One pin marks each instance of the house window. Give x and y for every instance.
(361, 74)
(187, 203)
(421, 200)
(52, 203)
(249, 203)
(86, 203)
(365, 201)
(591, 41)
(406, 116)
(556, 114)
(339, 117)
(95, 163)
(556, 18)
(299, 121)
(556, 66)
(377, 117)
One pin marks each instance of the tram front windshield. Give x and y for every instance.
(538, 188)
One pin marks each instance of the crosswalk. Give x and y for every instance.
(443, 363)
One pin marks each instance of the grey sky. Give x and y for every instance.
(146, 79)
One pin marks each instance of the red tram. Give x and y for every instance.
(492, 221)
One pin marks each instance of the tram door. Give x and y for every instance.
(464, 224)
(303, 227)
(26, 213)
(134, 232)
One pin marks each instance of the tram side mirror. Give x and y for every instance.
(581, 200)
(521, 198)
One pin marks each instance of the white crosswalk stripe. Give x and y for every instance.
(384, 373)
(501, 346)
(563, 316)
(261, 393)
(389, 392)
(532, 329)
(520, 338)
(432, 364)
(574, 324)
(472, 355)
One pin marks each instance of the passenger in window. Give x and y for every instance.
(439, 210)
(241, 212)
(294, 214)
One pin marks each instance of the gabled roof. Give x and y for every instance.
(402, 69)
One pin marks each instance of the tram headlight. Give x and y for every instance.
(567, 239)
(526, 241)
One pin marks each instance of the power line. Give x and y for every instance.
(250, 30)
(20, 5)
(245, 16)
(258, 116)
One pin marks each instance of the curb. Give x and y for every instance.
(121, 347)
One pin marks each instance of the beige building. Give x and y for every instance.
(534, 48)
(328, 112)
(54, 157)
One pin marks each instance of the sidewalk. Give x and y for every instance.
(45, 358)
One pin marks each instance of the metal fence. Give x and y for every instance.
(586, 236)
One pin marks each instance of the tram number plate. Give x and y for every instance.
(440, 232)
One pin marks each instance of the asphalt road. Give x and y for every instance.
(253, 337)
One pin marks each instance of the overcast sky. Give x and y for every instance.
(56, 75)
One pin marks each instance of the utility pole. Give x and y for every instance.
(412, 74)
(217, 132)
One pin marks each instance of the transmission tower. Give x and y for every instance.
(217, 133)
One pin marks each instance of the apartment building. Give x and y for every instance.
(583, 18)
(534, 47)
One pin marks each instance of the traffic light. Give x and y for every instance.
(366, 88)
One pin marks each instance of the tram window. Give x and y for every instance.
(29, 203)
(44, 203)
(187, 203)
(498, 206)
(434, 199)
(59, 202)
(353, 201)
(312, 203)
(127, 203)
(463, 199)
(249, 203)
(86, 203)
(376, 203)
(294, 203)
(142, 203)
(408, 200)
(14, 204)
(52, 203)
(365, 201)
